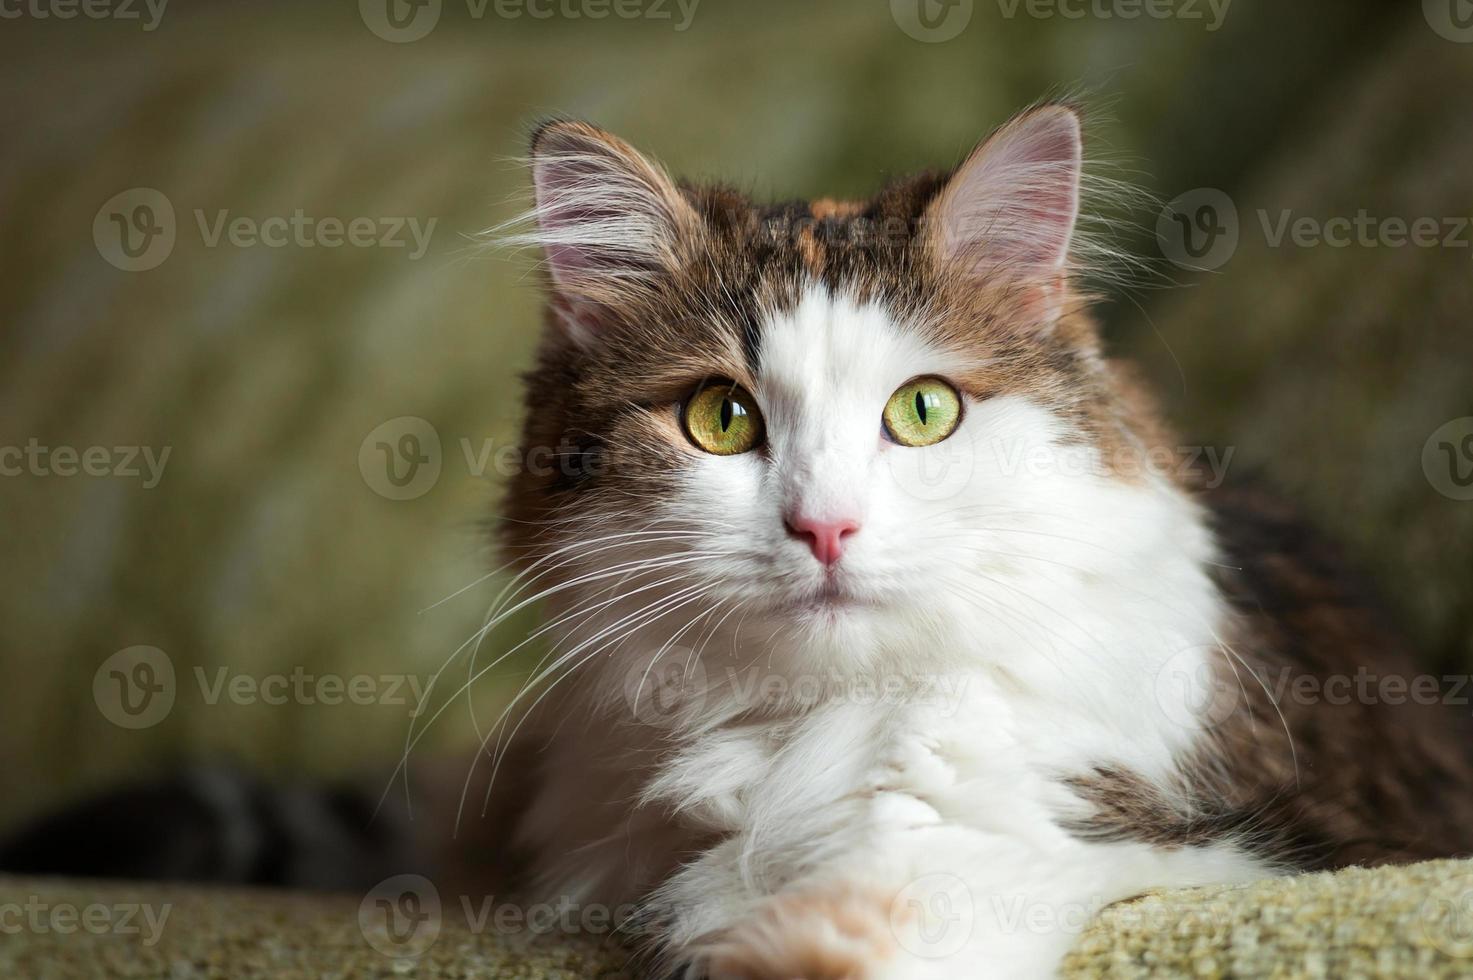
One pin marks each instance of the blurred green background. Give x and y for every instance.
(264, 548)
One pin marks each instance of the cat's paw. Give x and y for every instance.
(837, 933)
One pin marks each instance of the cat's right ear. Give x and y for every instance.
(608, 220)
(1009, 211)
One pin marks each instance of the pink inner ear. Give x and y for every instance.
(607, 220)
(1012, 205)
(562, 186)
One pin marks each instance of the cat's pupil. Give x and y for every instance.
(921, 407)
(726, 414)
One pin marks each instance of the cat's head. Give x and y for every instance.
(837, 424)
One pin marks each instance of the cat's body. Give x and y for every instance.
(838, 691)
(1078, 658)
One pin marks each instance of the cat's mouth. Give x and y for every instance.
(829, 599)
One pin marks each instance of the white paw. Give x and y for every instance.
(840, 933)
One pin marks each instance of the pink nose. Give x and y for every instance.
(825, 538)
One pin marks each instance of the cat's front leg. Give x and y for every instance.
(947, 903)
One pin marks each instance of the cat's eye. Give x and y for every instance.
(723, 419)
(923, 412)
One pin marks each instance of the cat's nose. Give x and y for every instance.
(825, 538)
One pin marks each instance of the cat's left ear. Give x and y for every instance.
(1006, 216)
(608, 219)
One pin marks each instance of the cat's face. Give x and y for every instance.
(841, 422)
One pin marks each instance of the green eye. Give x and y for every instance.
(723, 419)
(923, 412)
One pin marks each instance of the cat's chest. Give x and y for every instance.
(986, 756)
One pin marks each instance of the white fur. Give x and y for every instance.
(1024, 605)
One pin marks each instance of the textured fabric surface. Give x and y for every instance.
(1414, 921)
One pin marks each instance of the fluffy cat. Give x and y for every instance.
(951, 659)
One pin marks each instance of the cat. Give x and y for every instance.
(880, 648)
(791, 438)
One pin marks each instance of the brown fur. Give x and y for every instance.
(1297, 778)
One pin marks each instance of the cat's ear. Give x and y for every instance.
(608, 220)
(1007, 215)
